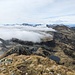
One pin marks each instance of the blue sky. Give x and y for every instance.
(37, 11)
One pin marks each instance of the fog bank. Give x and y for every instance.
(26, 33)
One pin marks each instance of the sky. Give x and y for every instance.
(37, 11)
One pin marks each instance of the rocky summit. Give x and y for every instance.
(32, 65)
(54, 56)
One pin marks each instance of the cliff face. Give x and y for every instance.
(51, 57)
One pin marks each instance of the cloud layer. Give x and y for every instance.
(24, 33)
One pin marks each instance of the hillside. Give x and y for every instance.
(51, 56)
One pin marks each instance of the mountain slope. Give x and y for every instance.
(32, 65)
(49, 57)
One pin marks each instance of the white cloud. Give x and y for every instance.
(24, 33)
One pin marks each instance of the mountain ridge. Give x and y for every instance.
(60, 51)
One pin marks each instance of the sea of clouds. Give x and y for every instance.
(26, 33)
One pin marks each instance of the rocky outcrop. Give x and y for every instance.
(18, 49)
(29, 43)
